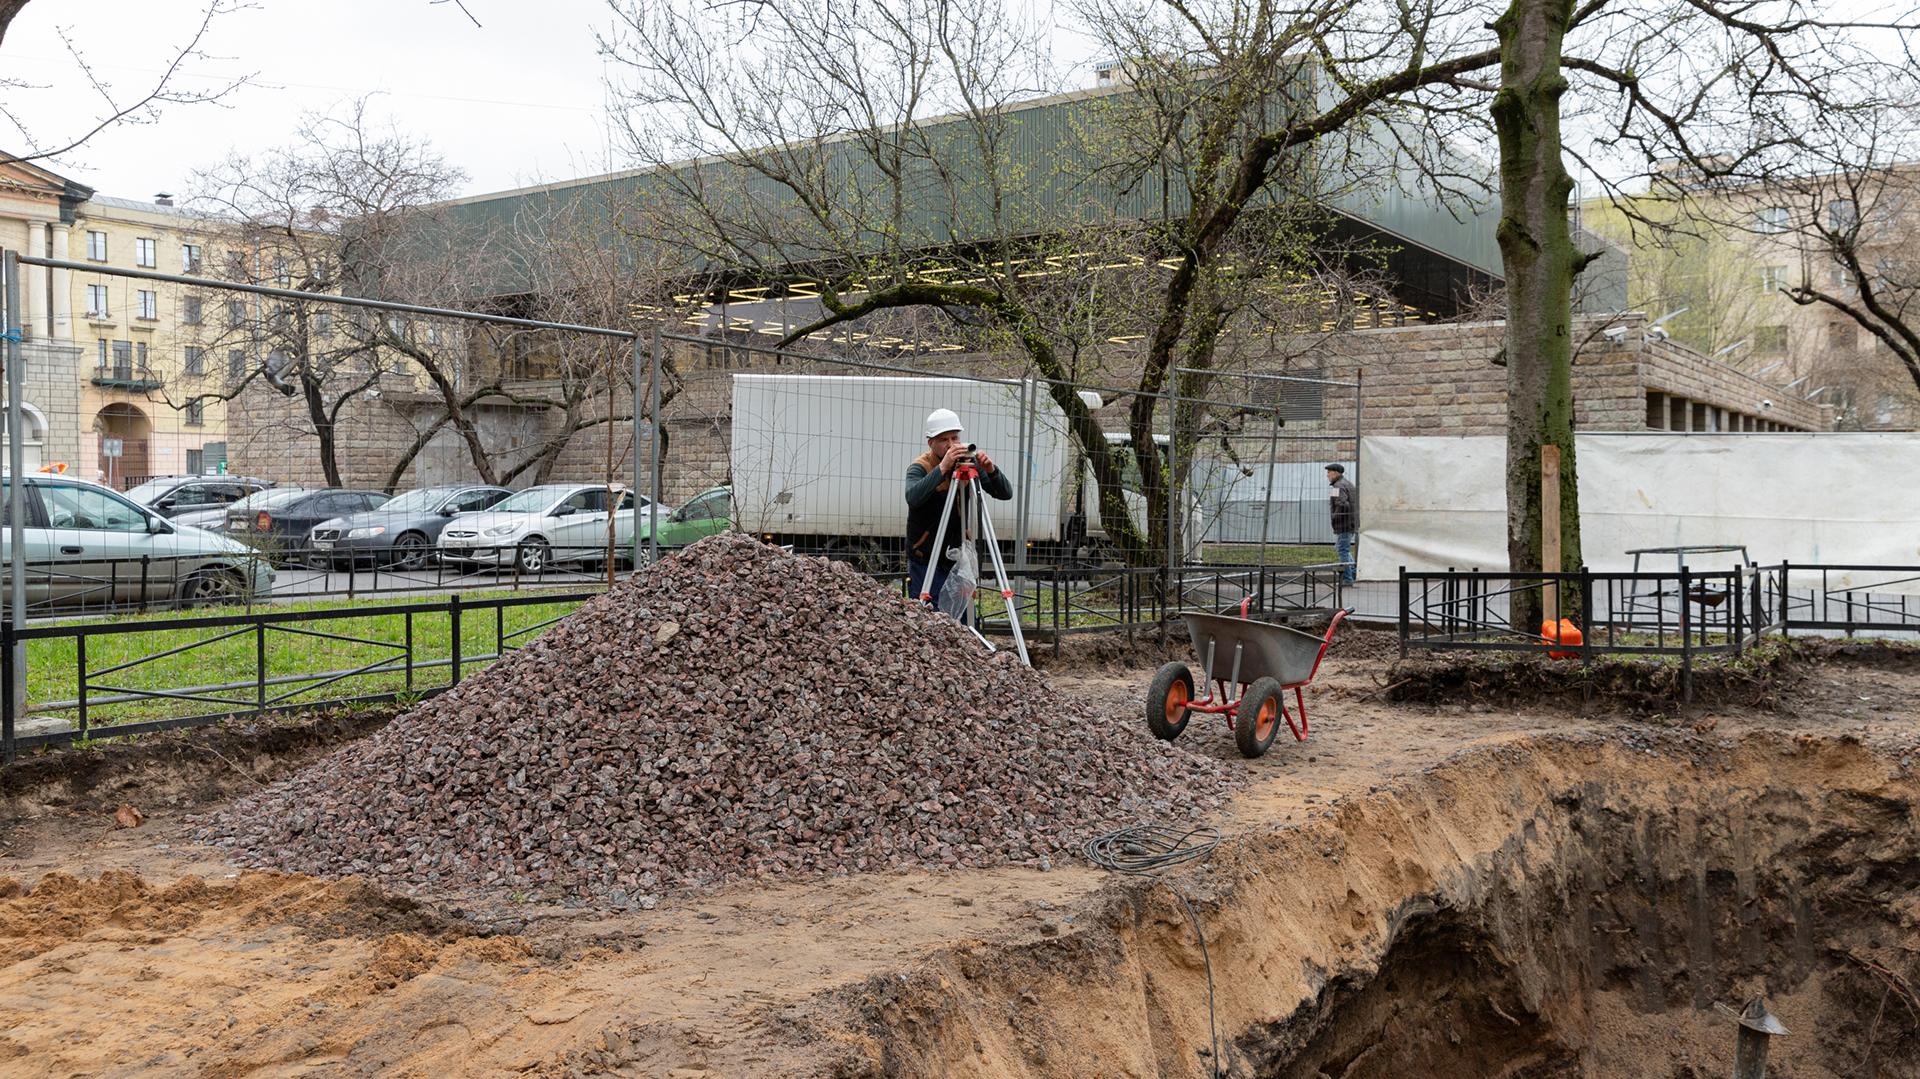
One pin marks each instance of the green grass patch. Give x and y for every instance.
(1249, 554)
(300, 657)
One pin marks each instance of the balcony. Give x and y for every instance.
(133, 377)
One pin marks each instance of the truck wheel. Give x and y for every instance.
(1167, 697)
(1258, 718)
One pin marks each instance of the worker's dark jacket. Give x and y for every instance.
(1345, 505)
(927, 494)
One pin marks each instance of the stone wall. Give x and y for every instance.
(1436, 379)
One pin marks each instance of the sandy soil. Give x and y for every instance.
(138, 952)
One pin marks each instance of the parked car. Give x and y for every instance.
(214, 518)
(280, 521)
(171, 496)
(402, 532)
(706, 513)
(88, 545)
(540, 526)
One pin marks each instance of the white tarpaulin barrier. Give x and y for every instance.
(1430, 503)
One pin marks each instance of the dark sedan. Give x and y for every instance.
(402, 532)
(280, 521)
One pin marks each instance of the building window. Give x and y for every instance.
(1772, 219)
(236, 364)
(145, 252)
(189, 258)
(140, 353)
(149, 304)
(237, 265)
(196, 360)
(123, 358)
(236, 314)
(323, 323)
(190, 310)
(103, 352)
(1841, 337)
(97, 246)
(196, 413)
(1773, 278)
(97, 301)
(1842, 215)
(1770, 340)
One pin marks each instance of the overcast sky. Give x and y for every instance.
(513, 101)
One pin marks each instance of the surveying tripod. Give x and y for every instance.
(964, 488)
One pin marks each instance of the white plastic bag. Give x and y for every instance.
(963, 580)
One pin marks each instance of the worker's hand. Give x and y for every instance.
(986, 463)
(954, 453)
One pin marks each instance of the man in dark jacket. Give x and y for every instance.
(1345, 506)
(928, 478)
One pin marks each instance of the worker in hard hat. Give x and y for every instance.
(928, 478)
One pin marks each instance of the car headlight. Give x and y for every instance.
(367, 533)
(501, 530)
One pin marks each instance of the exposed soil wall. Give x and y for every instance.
(1566, 908)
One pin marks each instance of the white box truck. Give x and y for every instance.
(822, 459)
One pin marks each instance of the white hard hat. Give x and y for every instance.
(942, 420)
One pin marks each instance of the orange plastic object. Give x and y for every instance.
(1563, 633)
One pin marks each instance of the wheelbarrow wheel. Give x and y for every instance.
(1258, 719)
(1167, 697)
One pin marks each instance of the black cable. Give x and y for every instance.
(1148, 850)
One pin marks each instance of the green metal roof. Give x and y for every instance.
(1052, 181)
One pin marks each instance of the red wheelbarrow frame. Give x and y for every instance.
(1223, 701)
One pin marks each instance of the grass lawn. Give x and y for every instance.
(1248, 554)
(301, 651)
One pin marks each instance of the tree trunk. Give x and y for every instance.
(1540, 260)
(323, 428)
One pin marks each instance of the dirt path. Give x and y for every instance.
(162, 959)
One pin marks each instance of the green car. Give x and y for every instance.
(708, 512)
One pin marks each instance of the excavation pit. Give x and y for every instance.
(1556, 907)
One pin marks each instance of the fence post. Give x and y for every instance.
(1586, 612)
(409, 621)
(1686, 636)
(1736, 596)
(453, 619)
(260, 665)
(145, 573)
(1405, 602)
(9, 687)
(80, 668)
(1786, 598)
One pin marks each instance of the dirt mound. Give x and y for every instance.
(734, 712)
(61, 907)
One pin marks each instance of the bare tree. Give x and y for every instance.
(338, 208)
(114, 105)
(857, 147)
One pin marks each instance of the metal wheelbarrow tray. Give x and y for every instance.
(1248, 664)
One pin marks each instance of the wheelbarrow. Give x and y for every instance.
(1261, 661)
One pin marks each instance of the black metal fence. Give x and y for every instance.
(92, 678)
(1685, 614)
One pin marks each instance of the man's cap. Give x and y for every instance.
(942, 420)
(1336, 467)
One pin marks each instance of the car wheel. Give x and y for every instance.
(532, 556)
(214, 587)
(410, 551)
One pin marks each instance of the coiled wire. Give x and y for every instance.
(1147, 850)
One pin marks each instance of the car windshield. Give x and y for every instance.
(264, 500)
(417, 501)
(531, 500)
(151, 490)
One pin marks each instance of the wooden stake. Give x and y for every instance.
(1550, 528)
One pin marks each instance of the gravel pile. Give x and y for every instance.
(735, 712)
